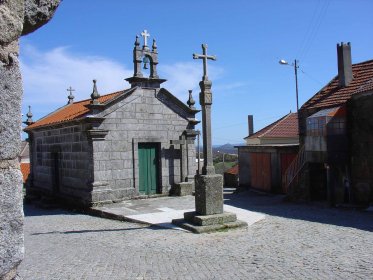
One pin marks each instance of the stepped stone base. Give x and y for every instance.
(208, 223)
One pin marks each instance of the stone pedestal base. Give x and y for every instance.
(184, 188)
(209, 194)
(209, 215)
(208, 223)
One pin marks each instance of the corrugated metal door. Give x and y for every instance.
(261, 171)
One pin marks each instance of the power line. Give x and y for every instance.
(313, 28)
(311, 77)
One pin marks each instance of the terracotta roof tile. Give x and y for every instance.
(25, 169)
(333, 95)
(285, 127)
(233, 170)
(70, 112)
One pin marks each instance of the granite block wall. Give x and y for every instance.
(360, 122)
(70, 149)
(141, 117)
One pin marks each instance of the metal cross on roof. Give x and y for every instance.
(71, 96)
(204, 57)
(71, 90)
(145, 34)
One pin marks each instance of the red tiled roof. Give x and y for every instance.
(25, 169)
(286, 127)
(333, 95)
(70, 112)
(233, 170)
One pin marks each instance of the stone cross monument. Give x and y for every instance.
(206, 102)
(209, 215)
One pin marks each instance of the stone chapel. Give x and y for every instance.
(136, 142)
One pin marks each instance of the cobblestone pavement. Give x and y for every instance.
(294, 242)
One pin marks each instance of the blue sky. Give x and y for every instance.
(90, 39)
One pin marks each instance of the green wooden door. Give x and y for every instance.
(148, 168)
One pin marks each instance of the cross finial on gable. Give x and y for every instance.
(145, 35)
(71, 96)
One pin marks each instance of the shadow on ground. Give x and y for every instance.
(313, 212)
(31, 210)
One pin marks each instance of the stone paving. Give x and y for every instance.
(294, 241)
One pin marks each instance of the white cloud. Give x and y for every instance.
(183, 76)
(46, 76)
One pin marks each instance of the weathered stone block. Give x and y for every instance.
(183, 188)
(209, 194)
(11, 219)
(208, 220)
(10, 109)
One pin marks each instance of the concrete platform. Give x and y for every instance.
(161, 211)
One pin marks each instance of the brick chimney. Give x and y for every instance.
(344, 64)
(250, 122)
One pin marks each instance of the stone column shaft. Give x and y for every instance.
(206, 102)
(184, 162)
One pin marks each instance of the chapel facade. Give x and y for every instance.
(132, 143)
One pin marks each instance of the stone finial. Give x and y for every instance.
(154, 46)
(29, 116)
(191, 101)
(95, 96)
(71, 96)
(137, 42)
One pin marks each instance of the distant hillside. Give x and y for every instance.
(226, 148)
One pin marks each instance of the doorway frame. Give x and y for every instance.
(161, 161)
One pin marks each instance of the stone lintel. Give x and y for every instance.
(209, 194)
(207, 220)
(181, 142)
(97, 134)
(93, 119)
(145, 82)
(98, 184)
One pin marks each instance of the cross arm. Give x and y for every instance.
(197, 56)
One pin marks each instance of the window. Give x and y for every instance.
(316, 126)
(337, 126)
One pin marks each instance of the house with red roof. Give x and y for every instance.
(267, 154)
(24, 160)
(136, 142)
(335, 162)
(231, 176)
